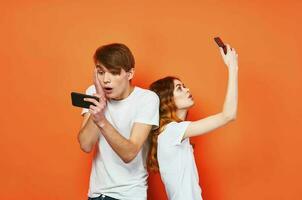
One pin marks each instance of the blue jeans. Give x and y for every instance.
(101, 197)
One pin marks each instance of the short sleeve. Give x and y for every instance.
(148, 110)
(174, 132)
(90, 91)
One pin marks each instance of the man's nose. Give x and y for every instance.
(106, 78)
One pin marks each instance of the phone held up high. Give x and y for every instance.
(78, 100)
(221, 44)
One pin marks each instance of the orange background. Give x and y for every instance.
(46, 52)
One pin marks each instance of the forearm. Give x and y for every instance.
(88, 135)
(125, 149)
(231, 99)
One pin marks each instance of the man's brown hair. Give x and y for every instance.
(115, 57)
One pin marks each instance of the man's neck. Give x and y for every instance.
(126, 93)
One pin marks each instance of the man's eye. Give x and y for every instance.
(100, 72)
(115, 73)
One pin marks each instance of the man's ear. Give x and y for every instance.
(130, 74)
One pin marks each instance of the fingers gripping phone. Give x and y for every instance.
(78, 100)
(221, 44)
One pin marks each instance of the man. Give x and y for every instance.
(119, 123)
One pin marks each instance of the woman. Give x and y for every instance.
(171, 151)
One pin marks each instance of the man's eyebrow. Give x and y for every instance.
(99, 67)
(115, 71)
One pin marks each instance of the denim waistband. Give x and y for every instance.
(102, 197)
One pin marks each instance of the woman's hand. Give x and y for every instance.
(231, 58)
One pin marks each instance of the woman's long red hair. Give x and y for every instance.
(167, 111)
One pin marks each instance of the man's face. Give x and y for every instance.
(115, 85)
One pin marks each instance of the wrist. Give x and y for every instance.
(233, 67)
(101, 123)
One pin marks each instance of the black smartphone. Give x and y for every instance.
(78, 100)
(221, 44)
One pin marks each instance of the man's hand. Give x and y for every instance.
(97, 110)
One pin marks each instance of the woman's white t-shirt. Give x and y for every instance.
(177, 164)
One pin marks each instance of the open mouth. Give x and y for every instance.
(108, 89)
(190, 96)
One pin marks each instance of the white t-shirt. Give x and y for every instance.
(177, 164)
(109, 174)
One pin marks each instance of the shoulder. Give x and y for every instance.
(91, 90)
(145, 94)
(176, 126)
(173, 133)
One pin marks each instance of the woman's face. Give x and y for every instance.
(182, 97)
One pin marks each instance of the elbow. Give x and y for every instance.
(84, 145)
(127, 160)
(230, 117)
(234, 117)
(86, 148)
(129, 157)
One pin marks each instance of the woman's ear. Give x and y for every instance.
(130, 74)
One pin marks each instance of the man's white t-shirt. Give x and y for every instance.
(177, 164)
(109, 174)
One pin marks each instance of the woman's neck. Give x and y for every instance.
(182, 114)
